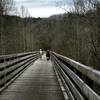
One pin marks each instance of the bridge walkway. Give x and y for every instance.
(38, 82)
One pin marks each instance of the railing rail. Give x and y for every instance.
(9, 57)
(11, 66)
(71, 73)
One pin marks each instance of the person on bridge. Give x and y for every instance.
(41, 52)
(48, 55)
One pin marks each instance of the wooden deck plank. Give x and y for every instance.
(38, 82)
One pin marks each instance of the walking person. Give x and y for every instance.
(41, 52)
(48, 55)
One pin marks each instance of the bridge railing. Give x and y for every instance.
(81, 82)
(11, 66)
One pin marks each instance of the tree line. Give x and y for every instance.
(75, 34)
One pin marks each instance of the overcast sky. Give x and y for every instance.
(45, 8)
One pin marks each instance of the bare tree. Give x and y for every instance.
(79, 6)
(7, 6)
(91, 21)
(24, 14)
(1, 8)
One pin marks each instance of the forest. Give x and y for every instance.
(75, 34)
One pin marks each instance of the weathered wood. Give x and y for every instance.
(5, 58)
(10, 68)
(88, 71)
(67, 72)
(38, 82)
(71, 85)
(14, 70)
(67, 90)
(9, 63)
(91, 95)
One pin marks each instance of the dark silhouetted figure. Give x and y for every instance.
(48, 55)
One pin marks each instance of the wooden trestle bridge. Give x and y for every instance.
(25, 76)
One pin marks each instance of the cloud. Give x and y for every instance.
(42, 8)
(43, 3)
(45, 12)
